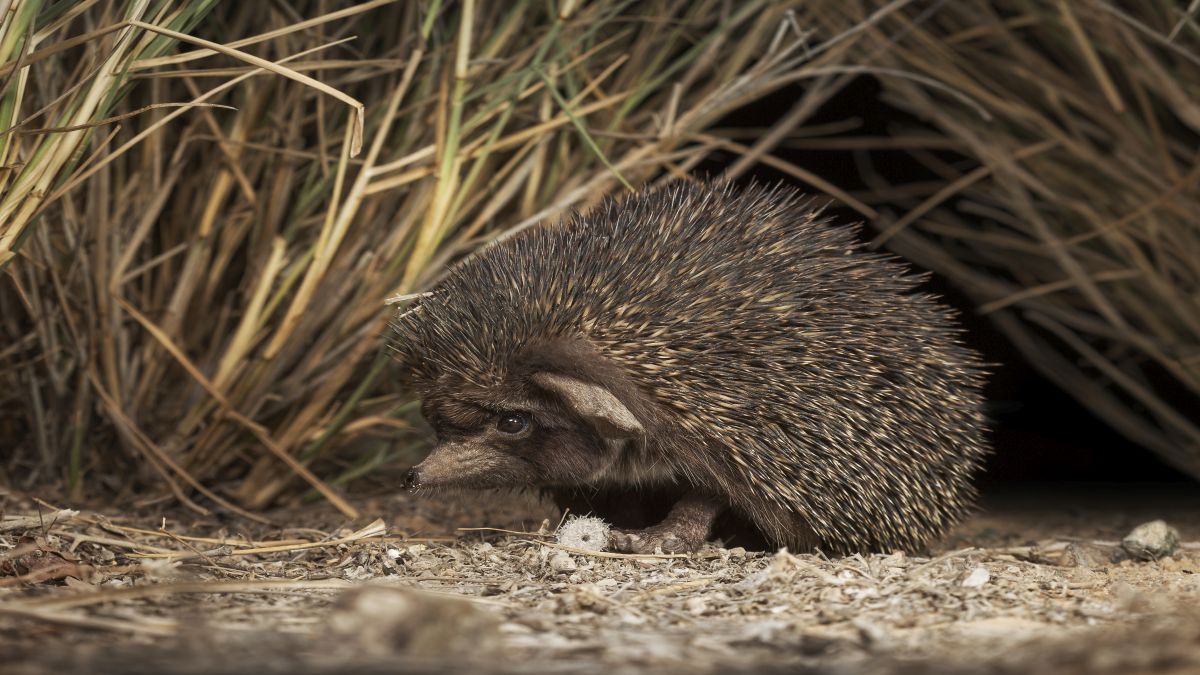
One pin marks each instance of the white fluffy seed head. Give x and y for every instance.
(586, 532)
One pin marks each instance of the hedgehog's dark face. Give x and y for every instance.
(543, 429)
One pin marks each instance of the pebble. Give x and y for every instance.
(563, 562)
(1151, 541)
(386, 620)
(1084, 555)
(978, 577)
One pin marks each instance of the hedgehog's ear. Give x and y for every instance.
(595, 404)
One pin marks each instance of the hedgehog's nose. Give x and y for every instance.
(412, 480)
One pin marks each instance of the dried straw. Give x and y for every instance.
(193, 297)
(1071, 212)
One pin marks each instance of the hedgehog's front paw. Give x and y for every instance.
(653, 540)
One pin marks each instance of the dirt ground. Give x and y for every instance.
(1037, 582)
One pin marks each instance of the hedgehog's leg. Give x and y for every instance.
(683, 531)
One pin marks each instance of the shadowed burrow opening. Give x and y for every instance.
(1039, 431)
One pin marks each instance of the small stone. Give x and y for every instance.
(562, 562)
(978, 577)
(1083, 555)
(357, 573)
(386, 620)
(696, 606)
(1151, 541)
(394, 553)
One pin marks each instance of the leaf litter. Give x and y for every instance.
(1013, 590)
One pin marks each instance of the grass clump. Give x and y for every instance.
(1065, 197)
(192, 296)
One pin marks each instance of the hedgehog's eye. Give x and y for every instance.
(512, 422)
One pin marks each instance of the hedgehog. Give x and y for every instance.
(700, 354)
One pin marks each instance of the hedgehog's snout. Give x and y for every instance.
(412, 479)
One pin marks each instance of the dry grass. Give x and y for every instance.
(1070, 210)
(194, 294)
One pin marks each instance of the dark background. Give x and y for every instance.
(1040, 432)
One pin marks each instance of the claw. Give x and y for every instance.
(652, 540)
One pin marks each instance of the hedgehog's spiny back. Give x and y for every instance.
(686, 252)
